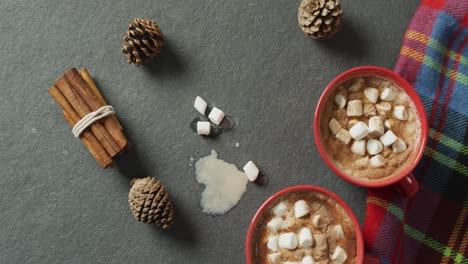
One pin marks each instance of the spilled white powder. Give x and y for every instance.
(224, 184)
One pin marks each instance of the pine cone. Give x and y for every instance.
(320, 19)
(143, 41)
(150, 203)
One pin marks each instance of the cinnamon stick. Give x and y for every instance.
(82, 109)
(87, 77)
(94, 103)
(88, 139)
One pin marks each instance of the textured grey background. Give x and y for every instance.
(248, 57)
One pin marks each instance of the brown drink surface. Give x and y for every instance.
(325, 240)
(358, 165)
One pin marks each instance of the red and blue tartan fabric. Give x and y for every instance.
(431, 227)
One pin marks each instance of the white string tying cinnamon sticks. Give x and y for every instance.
(90, 118)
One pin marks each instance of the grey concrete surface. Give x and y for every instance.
(248, 57)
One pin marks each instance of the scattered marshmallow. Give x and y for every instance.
(359, 130)
(369, 110)
(200, 105)
(337, 232)
(275, 258)
(334, 126)
(383, 107)
(275, 224)
(399, 146)
(288, 240)
(388, 138)
(376, 126)
(308, 260)
(388, 123)
(388, 94)
(374, 146)
(343, 136)
(305, 238)
(377, 161)
(354, 108)
(362, 163)
(272, 243)
(251, 171)
(400, 113)
(359, 147)
(216, 116)
(280, 209)
(203, 128)
(372, 94)
(301, 208)
(340, 99)
(339, 255)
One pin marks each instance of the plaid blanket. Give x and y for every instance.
(431, 227)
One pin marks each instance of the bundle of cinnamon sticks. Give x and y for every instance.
(78, 95)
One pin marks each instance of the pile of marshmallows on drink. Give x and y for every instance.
(216, 116)
(304, 239)
(374, 129)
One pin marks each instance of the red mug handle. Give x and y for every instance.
(408, 186)
(368, 259)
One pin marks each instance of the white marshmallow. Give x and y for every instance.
(383, 107)
(275, 224)
(362, 163)
(340, 99)
(343, 136)
(308, 260)
(400, 113)
(339, 255)
(334, 126)
(251, 171)
(338, 232)
(388, 94)
(216, 116)
(301, 208)
(288, 240)
(388, 138)
(399, 146)
(376, 126)
(377, 161)
(359, 147)
(372, 94)
(272, 243)
(305, 238)
(359, 130)
(203, 128)
(275, 258)
(374, 146)
(388, 124)
(354, 108)
(200, 105)
(280, 209)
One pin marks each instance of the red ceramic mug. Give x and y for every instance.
(360, 256)
(404, 181)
